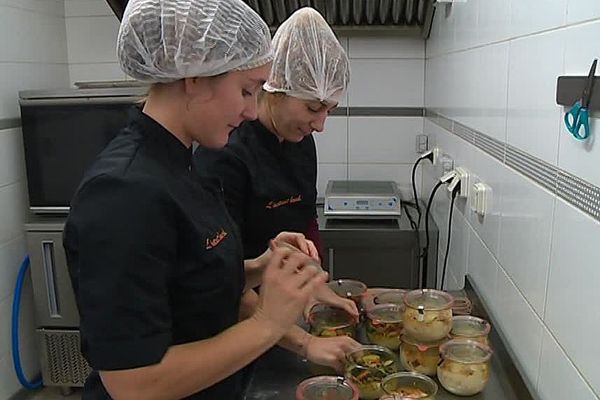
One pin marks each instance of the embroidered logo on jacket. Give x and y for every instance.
(214, 242)
(284, 202)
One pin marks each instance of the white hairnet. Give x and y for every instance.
(309, 62)
(167, 40)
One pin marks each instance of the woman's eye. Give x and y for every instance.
(246, 93)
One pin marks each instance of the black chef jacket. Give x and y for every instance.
(153, 255)
(269, 186)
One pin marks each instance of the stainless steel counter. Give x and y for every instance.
(278, 372)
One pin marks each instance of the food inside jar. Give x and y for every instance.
(368, 372)
(427, 325)
(463, 379)
(385, 334)
(411, 392)
(333, 332)
(423, 362)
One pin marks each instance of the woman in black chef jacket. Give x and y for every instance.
(155, 261)
(269, 166)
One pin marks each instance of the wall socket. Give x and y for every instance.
(422, 143)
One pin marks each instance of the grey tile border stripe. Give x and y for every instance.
(580, 193)
(8, 123)
(378, 111)
(574, 190)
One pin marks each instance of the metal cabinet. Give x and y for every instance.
(54, 298)
(56, 315)
(378, 252)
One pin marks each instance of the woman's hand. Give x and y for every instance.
(299, 241)
(330, 352)
(324, 294)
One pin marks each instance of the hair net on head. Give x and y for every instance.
(309, 62)
(167, 40)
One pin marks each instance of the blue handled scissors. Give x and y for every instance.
(577, 119)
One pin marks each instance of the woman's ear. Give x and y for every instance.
(198, 89)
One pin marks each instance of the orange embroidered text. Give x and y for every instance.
(279, 203)
(214, 242)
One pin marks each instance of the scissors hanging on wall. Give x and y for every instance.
(577, 119)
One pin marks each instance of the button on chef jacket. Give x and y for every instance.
(269, 186)
(153, 255)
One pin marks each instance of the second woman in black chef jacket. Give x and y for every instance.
(269, 166)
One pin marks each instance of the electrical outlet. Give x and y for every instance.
(480, 198)
(422, 144)
(437, 154)
(463, 175)
(447, 163)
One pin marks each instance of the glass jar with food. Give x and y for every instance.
(472, 328)
(367, 366)
(428, 314)
(465, 369)
(328, 321)
(326, 388)
(349, 289)
(421, 357)
(409, 385)
(384, 325)
(391, 296)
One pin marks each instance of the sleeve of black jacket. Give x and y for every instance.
(121, 246)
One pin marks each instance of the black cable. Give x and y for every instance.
(454, 194)
(426, 249)
(414, 188)
(410, 218)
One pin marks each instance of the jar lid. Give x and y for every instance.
(422, 346)
(332, 317)
(465, 351)
(392, 296)
(386, 313)
(469, 326)
(428, 299)
(326, 388)
(348, 287)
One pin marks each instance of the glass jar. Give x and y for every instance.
(409, 385)
(384, 325)
(392, 296)
(421, 357)
(472, 328)
(427, 314)
(349, 289)
(326, 388)
(367, 366)
(465, 369)
(328, 321)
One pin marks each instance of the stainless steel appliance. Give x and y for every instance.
(63, 132)
(362, 198)
(366, 237)
(56, 316)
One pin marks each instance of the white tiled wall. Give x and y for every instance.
(92, 30)
(533, 257)
(385, 72)
(33, 56)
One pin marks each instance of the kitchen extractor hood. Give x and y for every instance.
(397, 17)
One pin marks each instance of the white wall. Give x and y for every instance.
(492, 66)
(92, 30)
(385, 72)
(33, 56)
